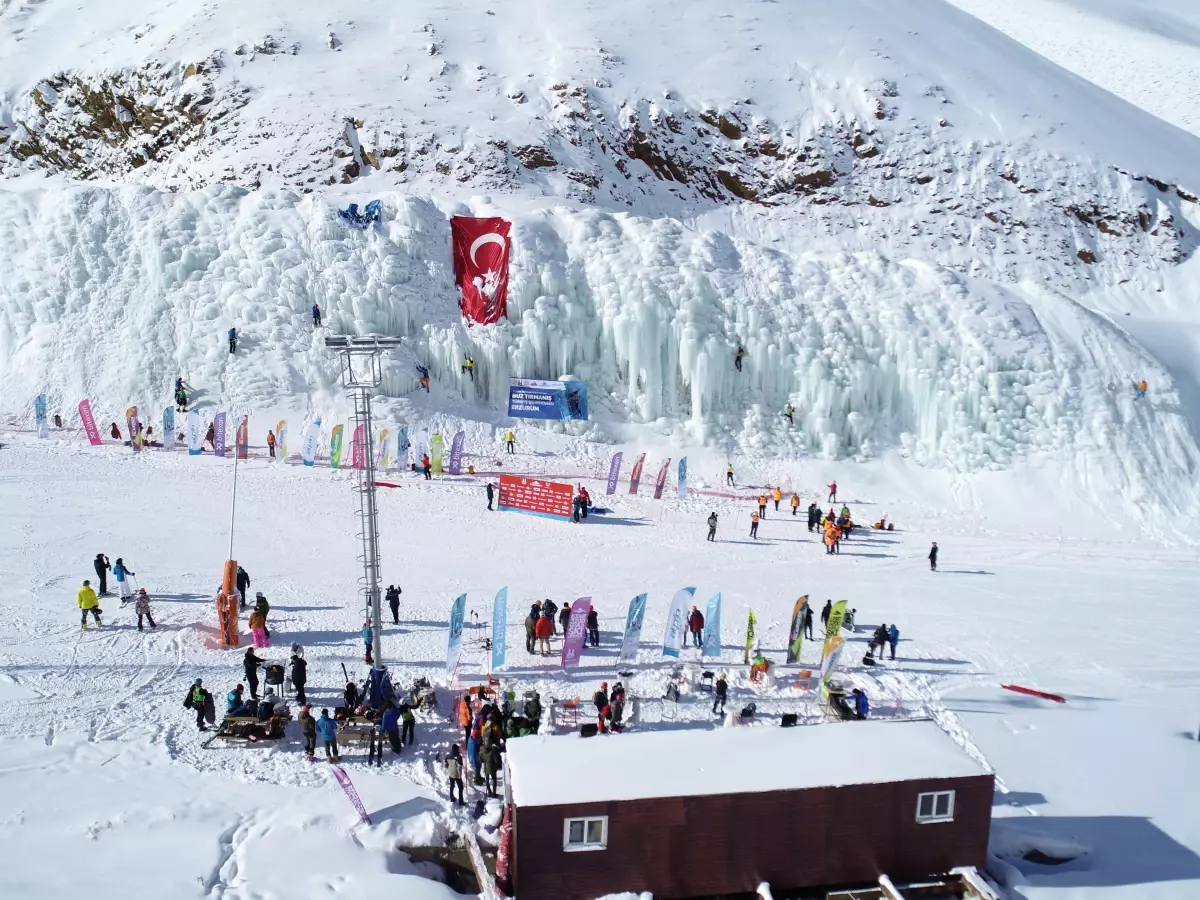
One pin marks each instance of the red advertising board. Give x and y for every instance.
(536, 497)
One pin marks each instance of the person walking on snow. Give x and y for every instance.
(511, 440)
(393, 602)
(124, 589)
(564, 617)
(754, 525)
(878, 639)
(88, 602)
(795, 503)
(814, 515)
(427, 467)
(250, 664)
(737, 358)
(729, 474)
(720, 692)
(316, 313)
(327, 728)
(825, 611)
(893, 639)
(233, 338)
(491, 495)
(585, 500)
(243, 584)
(271, 443)
(762, 506)
(777, 495)
(696, 626)
(142, 607)
(299, 676)
(262, 606)
(114, 431)
(712, 526)
(833, 492)
(258, 624)
(593, 628)
(933, 551)
(102, 567)
(808, 622)
(454, 772)
(198, 699)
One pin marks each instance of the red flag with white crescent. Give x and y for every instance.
(481, 249)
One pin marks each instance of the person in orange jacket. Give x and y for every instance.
(762, 506)
(464, 715)
(795, 503)
(754, 517)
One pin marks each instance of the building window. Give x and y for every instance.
(585, 834)
(936, 806)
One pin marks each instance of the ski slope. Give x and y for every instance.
(102, 762)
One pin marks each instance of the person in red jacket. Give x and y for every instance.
(587, 501)
(696, 626)
(426, 466)
(543, 629)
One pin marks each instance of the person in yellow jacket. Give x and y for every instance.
(795, 503)
(511, 440)
(88, 602)
(777, 495)
(762, 506)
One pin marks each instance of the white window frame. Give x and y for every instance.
(934, 818)
(585, 845)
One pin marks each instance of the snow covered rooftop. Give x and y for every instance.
(687, 763)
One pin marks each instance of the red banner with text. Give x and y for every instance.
(536, 497)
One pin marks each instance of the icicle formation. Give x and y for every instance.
(873, 354)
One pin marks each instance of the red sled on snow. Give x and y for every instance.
(1024, 690)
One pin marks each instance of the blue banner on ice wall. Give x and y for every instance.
(532, 399)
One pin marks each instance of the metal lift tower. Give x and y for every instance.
(361, 376)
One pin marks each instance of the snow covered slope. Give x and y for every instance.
(898, 211)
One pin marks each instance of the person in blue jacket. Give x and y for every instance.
(327, 729)
(367, 635)
(861, 706)
(235, 705)
(233, 336)
(123, 587)
(893, 639)
(316, 311)
(391, 727)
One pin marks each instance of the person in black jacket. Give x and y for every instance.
(593, 628)
(491, 492)
(879, 639)
(712, 526)
(393, 601)
(933, 557)
(549, 608)
(600, 699)
(102, 567)
(720, 692)
(808, 622)
(250, 663)
(299, 677)
(564, 617)
(350, 697)
(825, 611)
(243, 582)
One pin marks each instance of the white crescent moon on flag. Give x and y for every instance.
(485, 239)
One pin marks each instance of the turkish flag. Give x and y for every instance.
(481, 267)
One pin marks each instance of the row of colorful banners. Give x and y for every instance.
(635, 478)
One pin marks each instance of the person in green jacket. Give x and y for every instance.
(88, 602)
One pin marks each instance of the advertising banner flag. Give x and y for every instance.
(194, 437)
(458, 614)
(402, 446)
(614, 473)
(437, 450)
(135, 428)
(456, 452)
(384, 459)
(358, 457)
(750, 623)
(833, 653)
(499, 628)
(675, 632)
(551, 499)
(351, 794)
(529, 398)
(636, 477)
(39, 416)
(242, 438)
(576, 631)
(633, 628)
(712, 629)
(168, 440)
(481, 248)
(311, 437)
(281, 437)
(681, 490)
(661, 481)
(796, 632)
(219, 434)
(335, 447)
(833, 628)
(89, 422)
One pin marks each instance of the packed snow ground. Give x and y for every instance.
(101, 761)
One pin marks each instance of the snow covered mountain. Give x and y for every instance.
(917, 227)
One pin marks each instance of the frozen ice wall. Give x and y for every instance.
(112, 293)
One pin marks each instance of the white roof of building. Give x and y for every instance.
(552, 771)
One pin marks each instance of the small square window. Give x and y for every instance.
(935, 806)
(585, 834)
